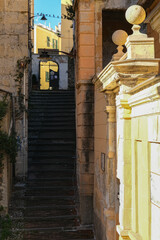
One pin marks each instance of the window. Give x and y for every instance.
(47, 76)
(48, 41)
(56, 44)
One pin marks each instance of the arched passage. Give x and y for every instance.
(49, 75)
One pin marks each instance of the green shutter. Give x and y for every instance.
(48, 42)
(56, 44)
(47, 76)
(53, 44)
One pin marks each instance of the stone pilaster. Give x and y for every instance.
(124, 160)
(111, 210)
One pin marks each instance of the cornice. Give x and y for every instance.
(149, 82)
(146, 95)
(130, 71)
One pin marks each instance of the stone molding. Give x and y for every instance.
(130, 72)
(153, 19)
(147, 95)
(96, 81)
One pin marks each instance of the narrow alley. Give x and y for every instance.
(47, 205)
(79, 119)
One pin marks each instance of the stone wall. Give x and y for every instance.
(100, 168)
(90, 41)
(6, 173)
(85, 70)
(109, 17)
(14, 46)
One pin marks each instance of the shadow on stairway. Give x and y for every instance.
(46, 205)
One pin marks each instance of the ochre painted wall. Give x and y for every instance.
(85, 70)
(40, 39)
(45, 68)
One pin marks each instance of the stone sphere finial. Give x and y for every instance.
(135, 14)
(119, 37)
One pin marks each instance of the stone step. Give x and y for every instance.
(50, 223)
(52, 102)
(49, 97)
(41, 201)
(57, 133)
(59, 235)
(61, 182)
(59, 117)
(52, 93)
(51, 111)
(49, 154)
(51, 105)
(51, 174)
(46, 212)
(47, 167)
(49, 191)
(57, 143)
(60, 157)
(51, 123)
(54, 128)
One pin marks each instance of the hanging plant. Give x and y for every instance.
(3, 108)
(8, 143)
(70, 12)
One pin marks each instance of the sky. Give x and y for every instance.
(50, 7)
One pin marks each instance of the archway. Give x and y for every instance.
(49, 75)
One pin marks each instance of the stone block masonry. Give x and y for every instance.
(13, 47)
(85, 107)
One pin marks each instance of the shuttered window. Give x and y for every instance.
(47, 76)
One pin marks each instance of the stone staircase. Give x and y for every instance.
(46, 206)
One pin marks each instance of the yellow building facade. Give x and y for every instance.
(45, 37)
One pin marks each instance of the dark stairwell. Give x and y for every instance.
(47, 204)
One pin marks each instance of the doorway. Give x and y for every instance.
(49, 75)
